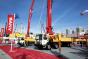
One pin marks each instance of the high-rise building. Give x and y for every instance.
(79, 30)
(67, 32)
(73, 32)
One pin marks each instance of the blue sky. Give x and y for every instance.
(65, 14)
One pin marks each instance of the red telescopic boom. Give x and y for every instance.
(29, 18)
(49, 17)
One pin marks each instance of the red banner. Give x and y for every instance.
(10, 24)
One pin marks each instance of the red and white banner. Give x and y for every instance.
(10, 24)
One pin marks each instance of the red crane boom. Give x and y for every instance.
(49, 17)
(29, 18)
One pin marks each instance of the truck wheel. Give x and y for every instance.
(39, 47)
(55, 46)
(49, 47)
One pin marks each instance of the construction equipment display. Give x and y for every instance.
(49, 39)
(28, 38)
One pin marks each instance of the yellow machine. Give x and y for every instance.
(56, 39)
(19, 35)
(30, 40)
(66, 41)
(48, 41)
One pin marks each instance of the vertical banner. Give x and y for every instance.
(0, 34)
(2, 30)
(10, 24)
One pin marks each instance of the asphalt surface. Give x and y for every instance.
(3, 55)
(66, 52)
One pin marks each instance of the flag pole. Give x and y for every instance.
(11, 39)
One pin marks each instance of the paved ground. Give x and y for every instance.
(3, 55)
(66, 52)
(22, 53)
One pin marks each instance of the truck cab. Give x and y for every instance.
(42, 41)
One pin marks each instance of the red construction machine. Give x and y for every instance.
(48, 39)
(29, 17)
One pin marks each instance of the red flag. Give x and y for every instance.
(10, 24)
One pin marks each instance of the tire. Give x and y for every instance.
(39, 47)
(56, 46)
(48, 47)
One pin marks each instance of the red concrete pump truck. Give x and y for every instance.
(46, 40)
(29, 17)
